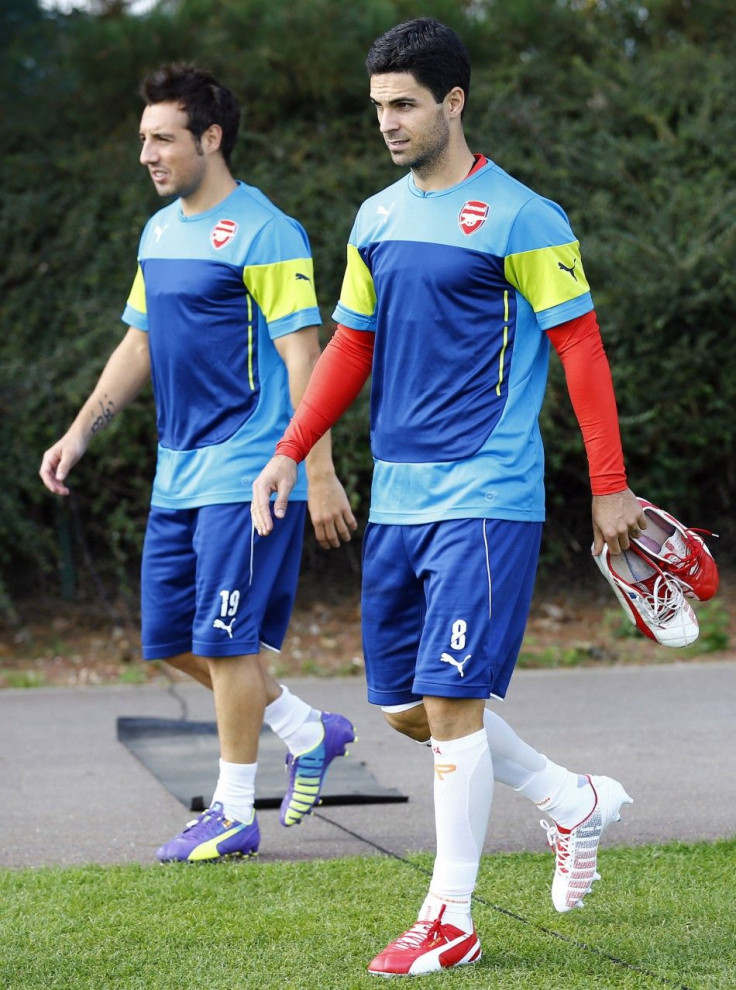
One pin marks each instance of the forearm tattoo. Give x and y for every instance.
(105, 415)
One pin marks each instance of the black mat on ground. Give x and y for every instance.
(183, 756)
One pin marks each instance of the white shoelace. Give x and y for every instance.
(420, 932)
(559, 841)
(664, 600)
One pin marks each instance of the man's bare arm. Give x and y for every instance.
(126, 372)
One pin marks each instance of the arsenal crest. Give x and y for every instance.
(472, 216)
(222, 233)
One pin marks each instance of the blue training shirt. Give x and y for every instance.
(459, 287)
(213, 291)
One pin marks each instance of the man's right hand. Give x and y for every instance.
(278, 476)
(58, 461)
(126, 372)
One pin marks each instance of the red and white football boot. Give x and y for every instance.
(679, 551)
(651, 599)
(427, 947)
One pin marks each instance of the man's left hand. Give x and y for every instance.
(616, 518)
(330, 512)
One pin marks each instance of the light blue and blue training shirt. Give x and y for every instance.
(213, 291)
(459, 287)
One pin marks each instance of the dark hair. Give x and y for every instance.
(431, 51)
(200, 96)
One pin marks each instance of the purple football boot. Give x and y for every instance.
(212, 837)
(307, 771)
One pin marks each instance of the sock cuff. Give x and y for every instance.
(237, 771)
(288, 712)
(449, 746)
(273, 706)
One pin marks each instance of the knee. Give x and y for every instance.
(453, 718)
(236, 673)
(195, 667)
(411, 722)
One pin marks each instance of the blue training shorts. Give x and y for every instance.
(444, 607)
(211, 586)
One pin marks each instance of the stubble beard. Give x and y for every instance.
(429, 158)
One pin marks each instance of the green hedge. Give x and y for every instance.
(623, 112)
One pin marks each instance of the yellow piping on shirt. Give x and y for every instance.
(505, 340)
(251, 382)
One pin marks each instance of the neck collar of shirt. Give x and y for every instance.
(193, 217)
(480, 162)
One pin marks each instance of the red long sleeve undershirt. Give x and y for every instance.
(342, 370)
(588, 375)
(346, 365)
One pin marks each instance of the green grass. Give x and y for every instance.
(713, 620)
(661, 917)
(619, 641)
(22, 678)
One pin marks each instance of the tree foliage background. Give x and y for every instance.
(622, 111)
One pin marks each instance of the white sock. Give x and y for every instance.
(463, 791)
(573, 802)
(514, 761)
(565, 796)
(236, 790)
(295, 722)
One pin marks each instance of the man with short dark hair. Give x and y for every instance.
(458, 278)
(223, 318)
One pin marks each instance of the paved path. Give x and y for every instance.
(73, 794)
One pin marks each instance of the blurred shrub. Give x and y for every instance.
(620, 111)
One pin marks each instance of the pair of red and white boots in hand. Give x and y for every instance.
(663, 567)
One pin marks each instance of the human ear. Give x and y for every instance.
(455, 101)
(212, 138)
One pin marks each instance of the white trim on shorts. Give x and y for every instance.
(395, 709)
